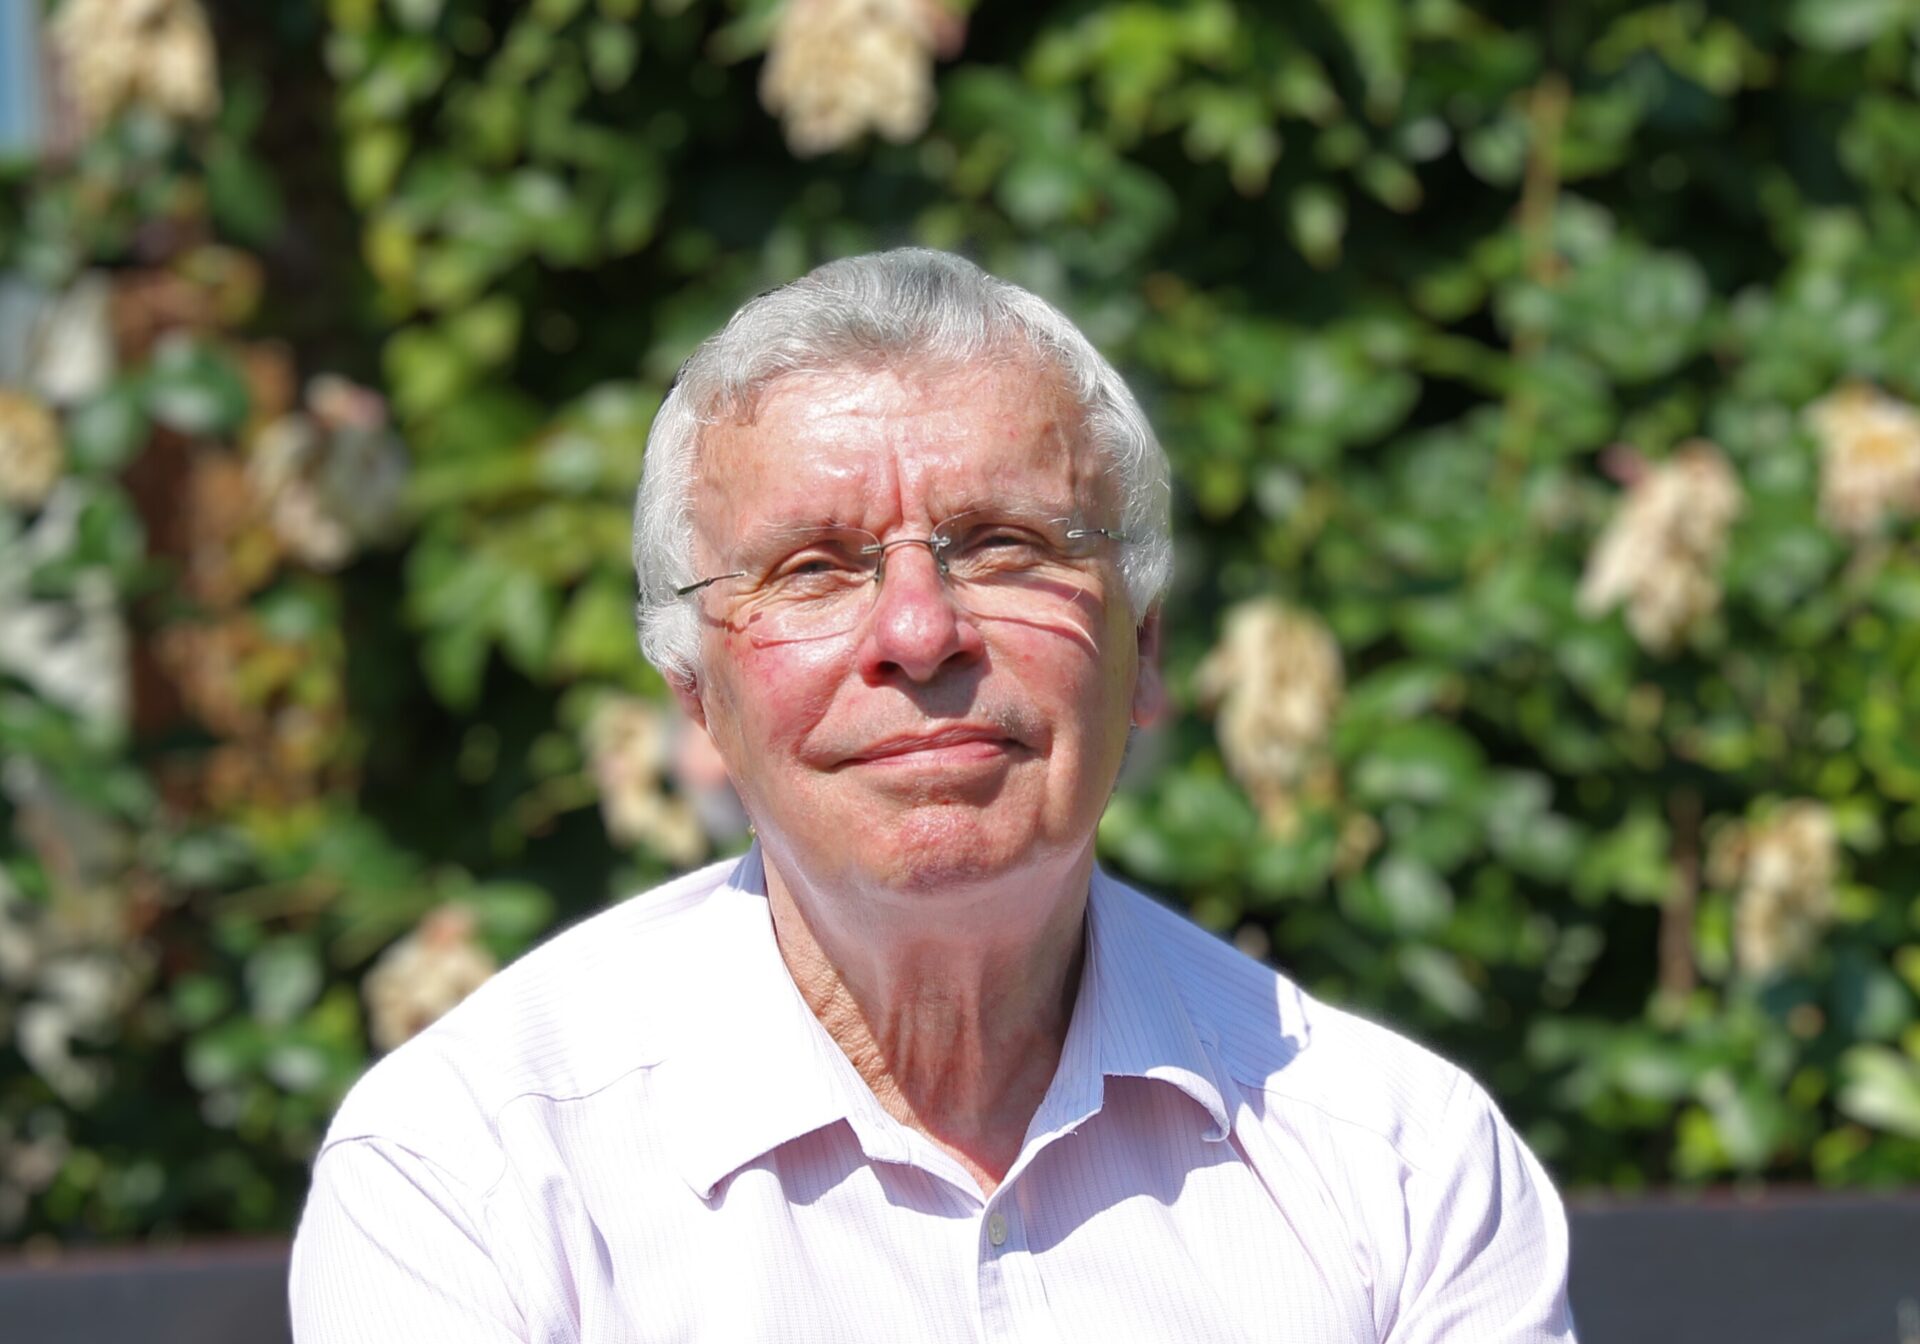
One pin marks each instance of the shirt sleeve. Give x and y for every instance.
(1487, 1236)
(392, 1247)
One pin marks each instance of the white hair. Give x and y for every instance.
(911, 305)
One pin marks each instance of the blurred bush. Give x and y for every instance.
(1540, 387)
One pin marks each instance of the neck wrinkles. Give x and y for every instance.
(958, 1037)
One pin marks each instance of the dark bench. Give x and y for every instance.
(1784, 1270)
(1805, 1269)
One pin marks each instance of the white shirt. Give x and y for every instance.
(639, 1132)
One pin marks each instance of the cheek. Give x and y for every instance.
(1081, 701)
(1105, 704)
(769, 694)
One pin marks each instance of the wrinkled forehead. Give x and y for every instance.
(891, 445)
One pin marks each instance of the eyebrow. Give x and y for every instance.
(823, 522)
(1012, 503)
(809, 523)
(752, 547)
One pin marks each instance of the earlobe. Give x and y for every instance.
(1149, 687)
(686, 691)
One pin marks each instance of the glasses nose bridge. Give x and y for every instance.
(936, 545)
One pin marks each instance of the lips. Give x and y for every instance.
(960, 742)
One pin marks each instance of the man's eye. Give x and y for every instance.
(814, 569)
(1002, 548)
(1001, 537)
(1007, 544)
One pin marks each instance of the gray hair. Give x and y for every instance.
(911, 304)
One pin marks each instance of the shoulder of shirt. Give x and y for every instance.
(570, 1018)
(1273, 1037)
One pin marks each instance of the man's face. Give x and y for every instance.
(927, 749)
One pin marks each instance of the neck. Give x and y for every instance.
(958, 1034)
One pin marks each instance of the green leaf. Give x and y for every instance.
(597, 634)
(223, 1055)
(1376, 33)
(283, 979)
(1749, 1117)
(487, 333)
(425, 370)
(1881, 1087)
(1298, 865)
(634, 212)
(613, 49)
(1412, 894)
(454, 659)
(1437, 977)
(298, 613)
(1317, 215)
(1843, 25)
(1423, 762)
(511, 915)
(105, 433)
(417, 15)
(1523, 830)
(374, 156)
(1870, 1003)
(524, 614)
(1395, 693)
(199, 999)
(1630, 861)
(194, 391)
(243, 196)
(1648, 1066)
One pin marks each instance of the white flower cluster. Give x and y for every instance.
(332, 476)
(630, 748)
(1784, 870)
(155, 53)
(1660, 557)
(58, 346)
(72, 651)
(1869, 458)
(56, 349)
(838, 68)
(69, 963)
(424, 975)
(31, 1156)
(1276, 681)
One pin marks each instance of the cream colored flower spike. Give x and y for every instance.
(157, 53)
(839, 68)
(1660, 557)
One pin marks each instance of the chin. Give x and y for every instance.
(951, 850)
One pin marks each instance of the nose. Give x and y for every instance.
(915, 629)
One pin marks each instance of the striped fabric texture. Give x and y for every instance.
(638, 1132)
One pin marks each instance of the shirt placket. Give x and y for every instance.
(1013, 1301)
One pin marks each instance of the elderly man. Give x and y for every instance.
(914, 1068)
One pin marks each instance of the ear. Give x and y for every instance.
(686, 690)
(1149, 687)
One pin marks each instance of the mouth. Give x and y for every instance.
(948, 746)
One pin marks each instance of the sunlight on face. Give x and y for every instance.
(936, 731)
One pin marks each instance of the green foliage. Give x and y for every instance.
(1417, 295)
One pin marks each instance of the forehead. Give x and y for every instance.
(878, 446)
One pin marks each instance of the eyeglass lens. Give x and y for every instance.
(819, 583)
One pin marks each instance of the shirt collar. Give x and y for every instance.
(755, 1069)
(1130, 1021)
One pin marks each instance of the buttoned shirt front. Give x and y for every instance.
(639, 1132)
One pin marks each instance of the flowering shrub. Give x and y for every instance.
(1542, 402)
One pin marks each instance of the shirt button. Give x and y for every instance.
(997, 1230)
